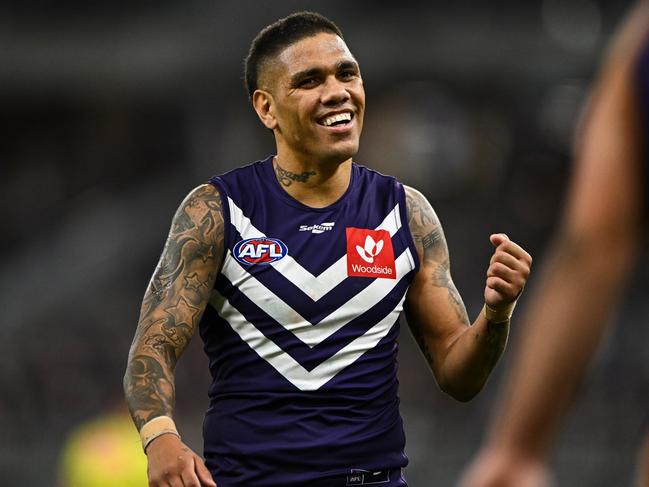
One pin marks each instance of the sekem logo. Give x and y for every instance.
(263, 250)
(369, 253)
(321, 228)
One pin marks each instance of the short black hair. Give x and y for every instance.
(280, 34)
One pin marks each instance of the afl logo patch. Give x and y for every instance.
(263, 250)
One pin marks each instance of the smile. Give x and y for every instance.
(337, 119)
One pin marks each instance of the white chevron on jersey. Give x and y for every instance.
(285, 364)
(290, 319)
(314, 287)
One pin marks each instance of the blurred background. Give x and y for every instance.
(112, 111)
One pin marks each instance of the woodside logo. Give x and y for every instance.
(370, 253)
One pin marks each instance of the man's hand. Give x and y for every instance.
(493, 469)
(172, 463)
(507, 274)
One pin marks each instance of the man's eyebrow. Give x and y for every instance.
(348, 64)
(307, 73)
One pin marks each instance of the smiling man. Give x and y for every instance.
(295, 269)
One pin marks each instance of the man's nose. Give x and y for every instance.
(334, 92)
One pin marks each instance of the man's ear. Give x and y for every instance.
(264, 104)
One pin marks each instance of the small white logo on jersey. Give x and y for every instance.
(370, 250)
(323, 227)
(363, 477)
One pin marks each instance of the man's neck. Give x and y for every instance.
(313, 185)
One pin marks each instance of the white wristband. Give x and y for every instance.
(500, 315)
(159, 426)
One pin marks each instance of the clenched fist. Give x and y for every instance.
(507, 274)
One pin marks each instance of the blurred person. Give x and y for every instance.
(295, 269)
(587, 266)
(103, 452)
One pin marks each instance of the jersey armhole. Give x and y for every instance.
(403, 213)
(221, 188)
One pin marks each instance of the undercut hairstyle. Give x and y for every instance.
(274, 38)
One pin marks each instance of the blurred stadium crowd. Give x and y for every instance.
(113, 111)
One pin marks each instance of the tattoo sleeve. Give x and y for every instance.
(174, 303)
(431, 245)
(460, 357)
(429, 239)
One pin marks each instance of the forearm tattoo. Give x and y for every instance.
(418, 334)
(431, 245)
(173, 303)
(497, 334)
(150, 389)
(287, 178)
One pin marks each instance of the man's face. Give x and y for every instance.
(318, 100)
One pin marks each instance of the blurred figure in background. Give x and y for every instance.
(103, 452)
(584, 274)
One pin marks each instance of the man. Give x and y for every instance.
(584, 274)
(296, 269)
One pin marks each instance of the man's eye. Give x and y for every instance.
(347, 74)
(305, 83)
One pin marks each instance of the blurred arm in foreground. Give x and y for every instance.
(582, 278)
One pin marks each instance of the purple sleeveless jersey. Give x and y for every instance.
(301, 334)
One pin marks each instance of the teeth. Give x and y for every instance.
(337, 118)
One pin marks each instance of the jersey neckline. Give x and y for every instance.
(275, 187)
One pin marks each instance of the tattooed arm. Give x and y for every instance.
(172, 307)
(461, 356)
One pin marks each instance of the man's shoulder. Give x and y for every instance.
(367, 177)
(204, 195)
(413, 195)
(373, 173)
(200, 214)
(243, 171)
